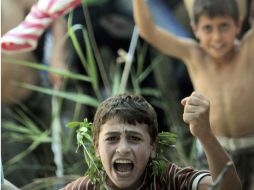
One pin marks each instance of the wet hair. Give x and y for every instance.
(128, 108)
(213, 8)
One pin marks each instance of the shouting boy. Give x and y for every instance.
(220, 67)
(125, 133)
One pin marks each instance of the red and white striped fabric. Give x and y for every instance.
(25, 36)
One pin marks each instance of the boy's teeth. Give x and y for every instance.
(123, 165)
(123, 161)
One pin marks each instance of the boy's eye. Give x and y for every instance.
(224, 27)
(112, 139)
(207, 29)
(134, 138)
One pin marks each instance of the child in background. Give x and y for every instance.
(221, 68)
(124, 135)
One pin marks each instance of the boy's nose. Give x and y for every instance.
(217, 35)
(123, 147)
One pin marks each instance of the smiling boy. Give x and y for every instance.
(220, 67)
(125, 132)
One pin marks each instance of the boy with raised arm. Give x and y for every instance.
(125, 133)
(220, 67)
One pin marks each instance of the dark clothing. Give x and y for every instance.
(244, 163)
(243, 159)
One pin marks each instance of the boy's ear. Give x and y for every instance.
(97, 154)
(153, 152)
(95, 144)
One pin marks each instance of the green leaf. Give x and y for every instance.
(91, 68)
(23, 154)
(116, 80)
(151, 92)
(41, 67)
(93, 2)
(149, 69)
(141, 52)
(73, 124)
(79, 98)
(71, 32)
(16, 128)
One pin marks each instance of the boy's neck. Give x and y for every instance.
(110, 186)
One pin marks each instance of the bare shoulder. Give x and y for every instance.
(248, 38)
(247, 46)
(196, 55)
(194, 49)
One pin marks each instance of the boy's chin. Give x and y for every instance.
(218, 55)
(120, 181)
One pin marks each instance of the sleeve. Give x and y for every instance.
(82, 183)
(185, 178)
(197, 179)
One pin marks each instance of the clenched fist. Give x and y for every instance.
(196, 114)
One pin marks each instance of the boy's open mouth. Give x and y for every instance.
(218, 46)
(123, 165)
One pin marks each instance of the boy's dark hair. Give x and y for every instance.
(213, 8)
(128, 108)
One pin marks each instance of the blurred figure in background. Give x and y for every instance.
(15, 99)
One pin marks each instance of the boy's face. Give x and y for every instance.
(217, 35)
(124, 150)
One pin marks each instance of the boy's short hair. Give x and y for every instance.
(213, 8)
(128, 108)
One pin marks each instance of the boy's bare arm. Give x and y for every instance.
(59, 50)
(157, 36)
(196, 114)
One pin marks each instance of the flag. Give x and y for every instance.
(26, 35)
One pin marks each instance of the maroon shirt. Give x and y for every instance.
(173, 178)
